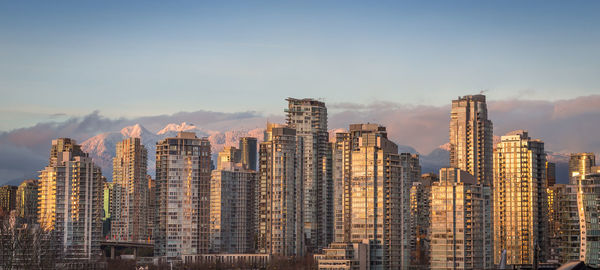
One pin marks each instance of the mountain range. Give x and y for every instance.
(102, 146)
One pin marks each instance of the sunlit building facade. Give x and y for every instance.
(27, 200)
(8, 198)
(129, 220)
(520, 205)
(309, 118)
(580, 164)
(280, 227)
(420, 219)
(232, 209)
(249, 148)
(377, 202)
(457, 221)
(182, 196)
(471, 150)
(70, 200)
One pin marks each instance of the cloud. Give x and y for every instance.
(565, 126)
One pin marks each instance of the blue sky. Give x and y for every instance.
(68, 58)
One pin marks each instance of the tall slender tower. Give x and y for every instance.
(471, 150)
(280, 226)
(456, 221)
(248, 146)
(182, 196)
(70, 200)
(309, 118)
(580, 164)
(130, 192)
(520, 205)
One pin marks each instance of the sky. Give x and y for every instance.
(65, 59)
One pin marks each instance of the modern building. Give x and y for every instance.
(129, 219)
(280, 228)
(70, 200)
(550, 174)
(232, 220)
(420, 219)
(309, 118)
(27, 200)
(249, 148)
(182, 195)
(379, 210)
(580, 164)
(106, 207)
(520, 205)
(151, 209)
(344, 256)
(8, 198)
(229, 154)
(471, 150)
(456, 221)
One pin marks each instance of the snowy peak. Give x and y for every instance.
(176, 128)
(135, 131)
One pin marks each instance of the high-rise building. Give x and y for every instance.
(280, 226)
(309, 118)
(129, 221)
(550, 174)
(8, 198)
(106, 207)
(182, 195)
(229, 154)
(249, 148)
(379, 210)
(580, 164)
(27, 200)
(151, 209)
(456, 221)
(471, 150)
(573, 224)
(232, 196)
(70, 200)
(520, 205)
(420, 209)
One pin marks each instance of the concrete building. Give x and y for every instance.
(129, 221)
(249, 148)
(379, 210)
(8, 198)
(344, 256)
(152, 204)
(70, 200)
(27, 200)
(420, 219)
(280, 227)
(456, 221)
(580, 164)
(520, 205)
(309, 118)
(229, 154)
(471, 150)
(232, 220)
(182, 196)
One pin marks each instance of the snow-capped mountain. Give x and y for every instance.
(102, 146)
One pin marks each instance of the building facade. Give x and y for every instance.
(309, 118)
(456, 221)
(520, 205)
(232, 220)
(8, 198)
(279, 218)
(471, 150)
(249, 148)
(580, 164)
(129, 219)
(27, 200)
(70, 200)
(182, 195)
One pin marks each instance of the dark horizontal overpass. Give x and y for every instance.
(114, 245)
